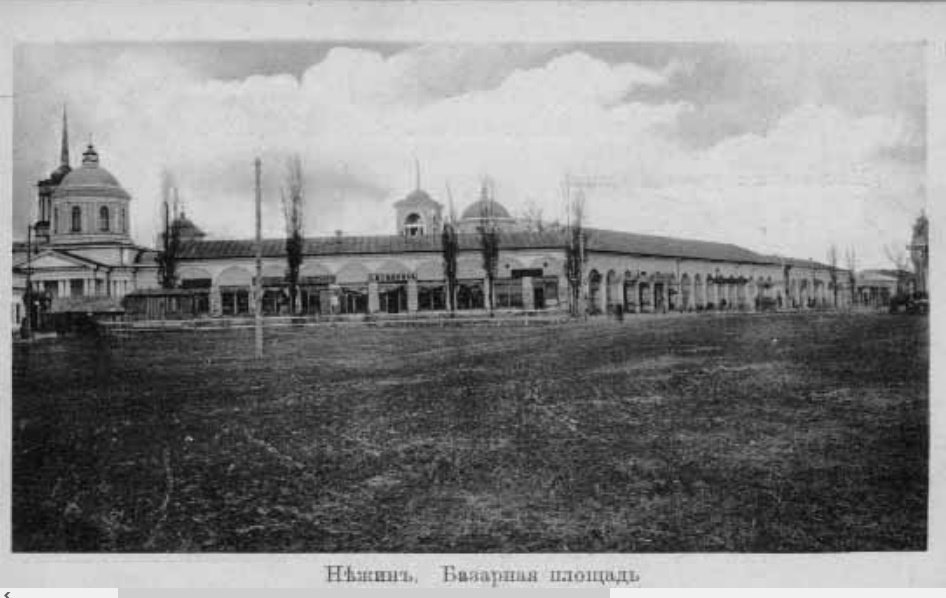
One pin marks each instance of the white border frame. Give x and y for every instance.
(112, 20)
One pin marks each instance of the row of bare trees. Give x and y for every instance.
(488, 234)
(292, 195)
(850, 263)
(293, 203)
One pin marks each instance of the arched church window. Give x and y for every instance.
(124, 221)
(413, 226)
(103, 219)
(76, 219)
(56, 220)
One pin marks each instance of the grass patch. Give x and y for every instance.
(774, 433)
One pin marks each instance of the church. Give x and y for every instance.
(80, 258)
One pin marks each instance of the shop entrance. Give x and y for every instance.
(392, 299)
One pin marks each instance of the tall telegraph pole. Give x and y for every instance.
(258, 283)
(28, 324)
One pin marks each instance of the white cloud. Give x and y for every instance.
(817, 175)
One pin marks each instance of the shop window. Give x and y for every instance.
(431, 297)
(508, 293)
(235, 302)
(470, 295)
(353, 301)
(392, 299)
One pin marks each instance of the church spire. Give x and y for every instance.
(64, 150)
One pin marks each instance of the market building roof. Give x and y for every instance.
(598, 240)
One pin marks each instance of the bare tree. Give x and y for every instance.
(575, 242)
(901, 263)
(833, 263)
(920, 251)
(532, 217)
(450, 247)
(293, 201)
(850, 260)
(489, 239)
(169, 254)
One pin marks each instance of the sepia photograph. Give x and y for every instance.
(511, 298)
(363, 296)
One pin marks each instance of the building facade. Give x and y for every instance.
(83, 259)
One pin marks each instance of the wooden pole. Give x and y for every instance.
(257, 285)
(28, 324)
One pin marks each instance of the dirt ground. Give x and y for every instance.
(758, 433)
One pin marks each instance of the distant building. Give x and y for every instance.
(875, 288)
(83, 258)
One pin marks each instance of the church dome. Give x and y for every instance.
(187, 230)
(90, 179)
(485, 208)
(417, 196)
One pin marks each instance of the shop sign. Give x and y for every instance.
(527, 272)
(392, 277)
(727, 279)
(273, 281)
(317, 280)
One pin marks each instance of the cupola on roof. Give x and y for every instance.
(418, 196)
(90, 180)
(484, 207)
(186, 228)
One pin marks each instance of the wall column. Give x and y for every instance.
(216, 302)
(412, 295)
(374, 302)
(564, 293)
(528, 295)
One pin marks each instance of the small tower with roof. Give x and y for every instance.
(418, 214)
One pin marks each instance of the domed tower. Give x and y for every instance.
(485, 210)
(186, 229)
(418, 214)
(48, 186)
(89, 206)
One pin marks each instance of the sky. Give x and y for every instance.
(783, 149)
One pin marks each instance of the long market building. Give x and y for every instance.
(82, 258)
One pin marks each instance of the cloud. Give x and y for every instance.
(526, 116)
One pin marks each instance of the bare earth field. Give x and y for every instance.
(763, 433)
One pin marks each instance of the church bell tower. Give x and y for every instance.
(47, 186)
